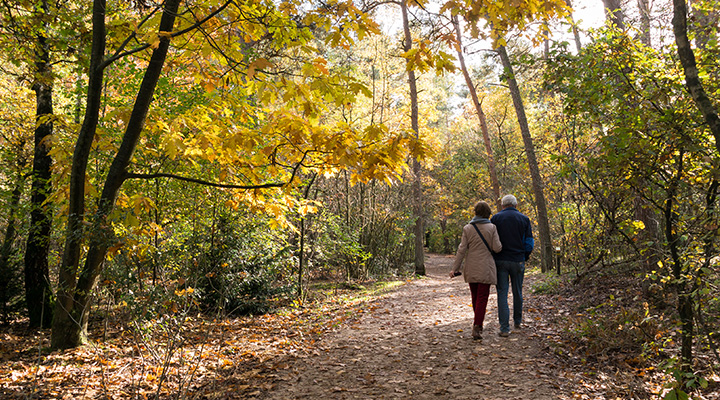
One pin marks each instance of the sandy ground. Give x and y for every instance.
(415, 343)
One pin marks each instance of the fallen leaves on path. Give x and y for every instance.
(417, 345)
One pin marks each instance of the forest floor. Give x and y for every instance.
(415, 343)
(408, 339)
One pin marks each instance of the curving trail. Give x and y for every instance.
(415, 343)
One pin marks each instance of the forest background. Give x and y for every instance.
(173, 163)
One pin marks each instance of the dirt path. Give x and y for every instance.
(415, 343)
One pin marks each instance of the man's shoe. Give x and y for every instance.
(504, 334)
(517, 326)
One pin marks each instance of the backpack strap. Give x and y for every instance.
(482, 237)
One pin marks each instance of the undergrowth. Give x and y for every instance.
(608, 323)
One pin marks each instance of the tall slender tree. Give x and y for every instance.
(38, 292)
(537, 181)
(693, 84)
(501, 20)
(31, 30)
(692, 77)
(414, 120)
(644, 8)
(74, 292)
(575, 30)
(480, 113)
(8, 272)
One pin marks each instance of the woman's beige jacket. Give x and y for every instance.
(479, 263)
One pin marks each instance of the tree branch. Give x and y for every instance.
(133, 175)
(192, 27)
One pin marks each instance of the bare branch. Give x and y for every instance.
(133, 175)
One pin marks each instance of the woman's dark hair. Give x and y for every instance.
(482, 209)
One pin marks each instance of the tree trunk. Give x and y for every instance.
(644, 8)
(614, 13)
(66, 331)
(417, 184)
(71, 321)
(7, 274)
(681, 282)
(542, 217)
(576, 32)
(481, 115)
(38, 292)
(301, 250)
(692, 80)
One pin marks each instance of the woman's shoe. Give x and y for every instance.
(477, 332)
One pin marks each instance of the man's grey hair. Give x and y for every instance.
(509, 200)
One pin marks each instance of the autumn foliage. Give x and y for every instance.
(191, 186)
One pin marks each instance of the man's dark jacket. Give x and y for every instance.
(515, 234)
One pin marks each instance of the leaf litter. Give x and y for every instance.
(413, 342)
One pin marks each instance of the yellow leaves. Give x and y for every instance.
(307, 209)
(343, 23)
(173, 144)
(164, 35)
(140, 203)
(275, 210)
(184, 292)
(208, 85)
(153, 38)
(423, 57)
(316, 68)
(631, 228)
(320, 64)
(232, 204)
(89, 187)
(505, 15)
(257, 64)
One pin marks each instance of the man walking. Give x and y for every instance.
(515, 235)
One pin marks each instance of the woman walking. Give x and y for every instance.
(479, 240)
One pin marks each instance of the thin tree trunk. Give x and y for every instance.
(614, 13)
(576, 32)
(38, 292)
(481, 115)
(72, 324)
(6, 268)
(644, 8)
(542, 216)
(692, 79)
(66, 331)
(417, 184)
(301, 250)
(685, 301)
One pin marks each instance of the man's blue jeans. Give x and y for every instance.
(514, 272)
